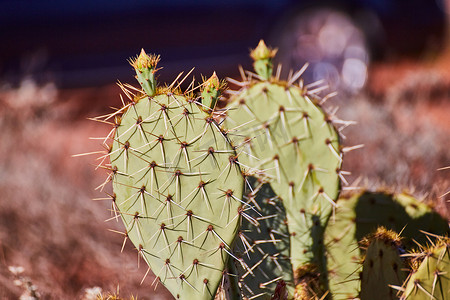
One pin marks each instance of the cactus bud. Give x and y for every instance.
(145, 61)
(263, 52)
(262, 56)
(211, 90)
(145, 67)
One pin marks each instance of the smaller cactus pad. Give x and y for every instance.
(383, 266)
(431, 280)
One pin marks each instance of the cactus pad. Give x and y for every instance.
(177, 185)
(281, 131)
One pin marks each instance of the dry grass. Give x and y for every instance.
(48, 224)
(405, 132)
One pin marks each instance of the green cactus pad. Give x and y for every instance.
(432, 279)
(280, 131)
(383, 265)
(178, 189)
(361, 215)
(264, 245)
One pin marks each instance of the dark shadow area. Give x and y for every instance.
(270, 216)
(379, 209)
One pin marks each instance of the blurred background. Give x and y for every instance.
(388, 61)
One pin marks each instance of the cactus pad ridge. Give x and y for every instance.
(177, 183)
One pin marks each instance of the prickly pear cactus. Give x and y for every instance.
(431, 279)
(281, 131)
(383, 266)
(359, 216)
(177, 184)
